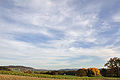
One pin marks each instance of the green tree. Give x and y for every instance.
(114, 66)
(81, 72)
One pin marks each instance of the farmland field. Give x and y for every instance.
(10, 75)
(14, 77)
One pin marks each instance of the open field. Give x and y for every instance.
(10, 75)
(15, 77)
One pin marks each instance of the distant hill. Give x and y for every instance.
(67, 69)
(24, 68)
(16, 68)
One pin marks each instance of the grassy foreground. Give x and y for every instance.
(15, 77)
(10, 75)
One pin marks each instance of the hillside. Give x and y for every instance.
(17, 68)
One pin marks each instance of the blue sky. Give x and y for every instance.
(55, 34)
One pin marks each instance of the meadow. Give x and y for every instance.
(11, 75)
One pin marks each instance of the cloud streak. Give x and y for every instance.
(53, 34)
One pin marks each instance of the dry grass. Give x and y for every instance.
(14, 77)
(11, 75)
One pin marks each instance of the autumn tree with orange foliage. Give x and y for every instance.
(93, 72)
(88, 72)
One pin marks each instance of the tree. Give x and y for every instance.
(82, 72)
(70, 72)
(4, 68)
(54, 73)
(103, 72)
(93, 72)
(114, 66)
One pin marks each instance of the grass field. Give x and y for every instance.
(10, 75)
(15, 77)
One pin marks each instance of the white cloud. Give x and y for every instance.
(116, 17)
(39, 17)
(102, 52)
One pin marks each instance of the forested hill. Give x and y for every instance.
(16, 68)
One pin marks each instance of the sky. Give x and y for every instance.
(59, 34)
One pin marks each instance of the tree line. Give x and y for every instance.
(81, 72)
(112, 70)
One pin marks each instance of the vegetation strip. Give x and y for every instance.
(52, 76)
